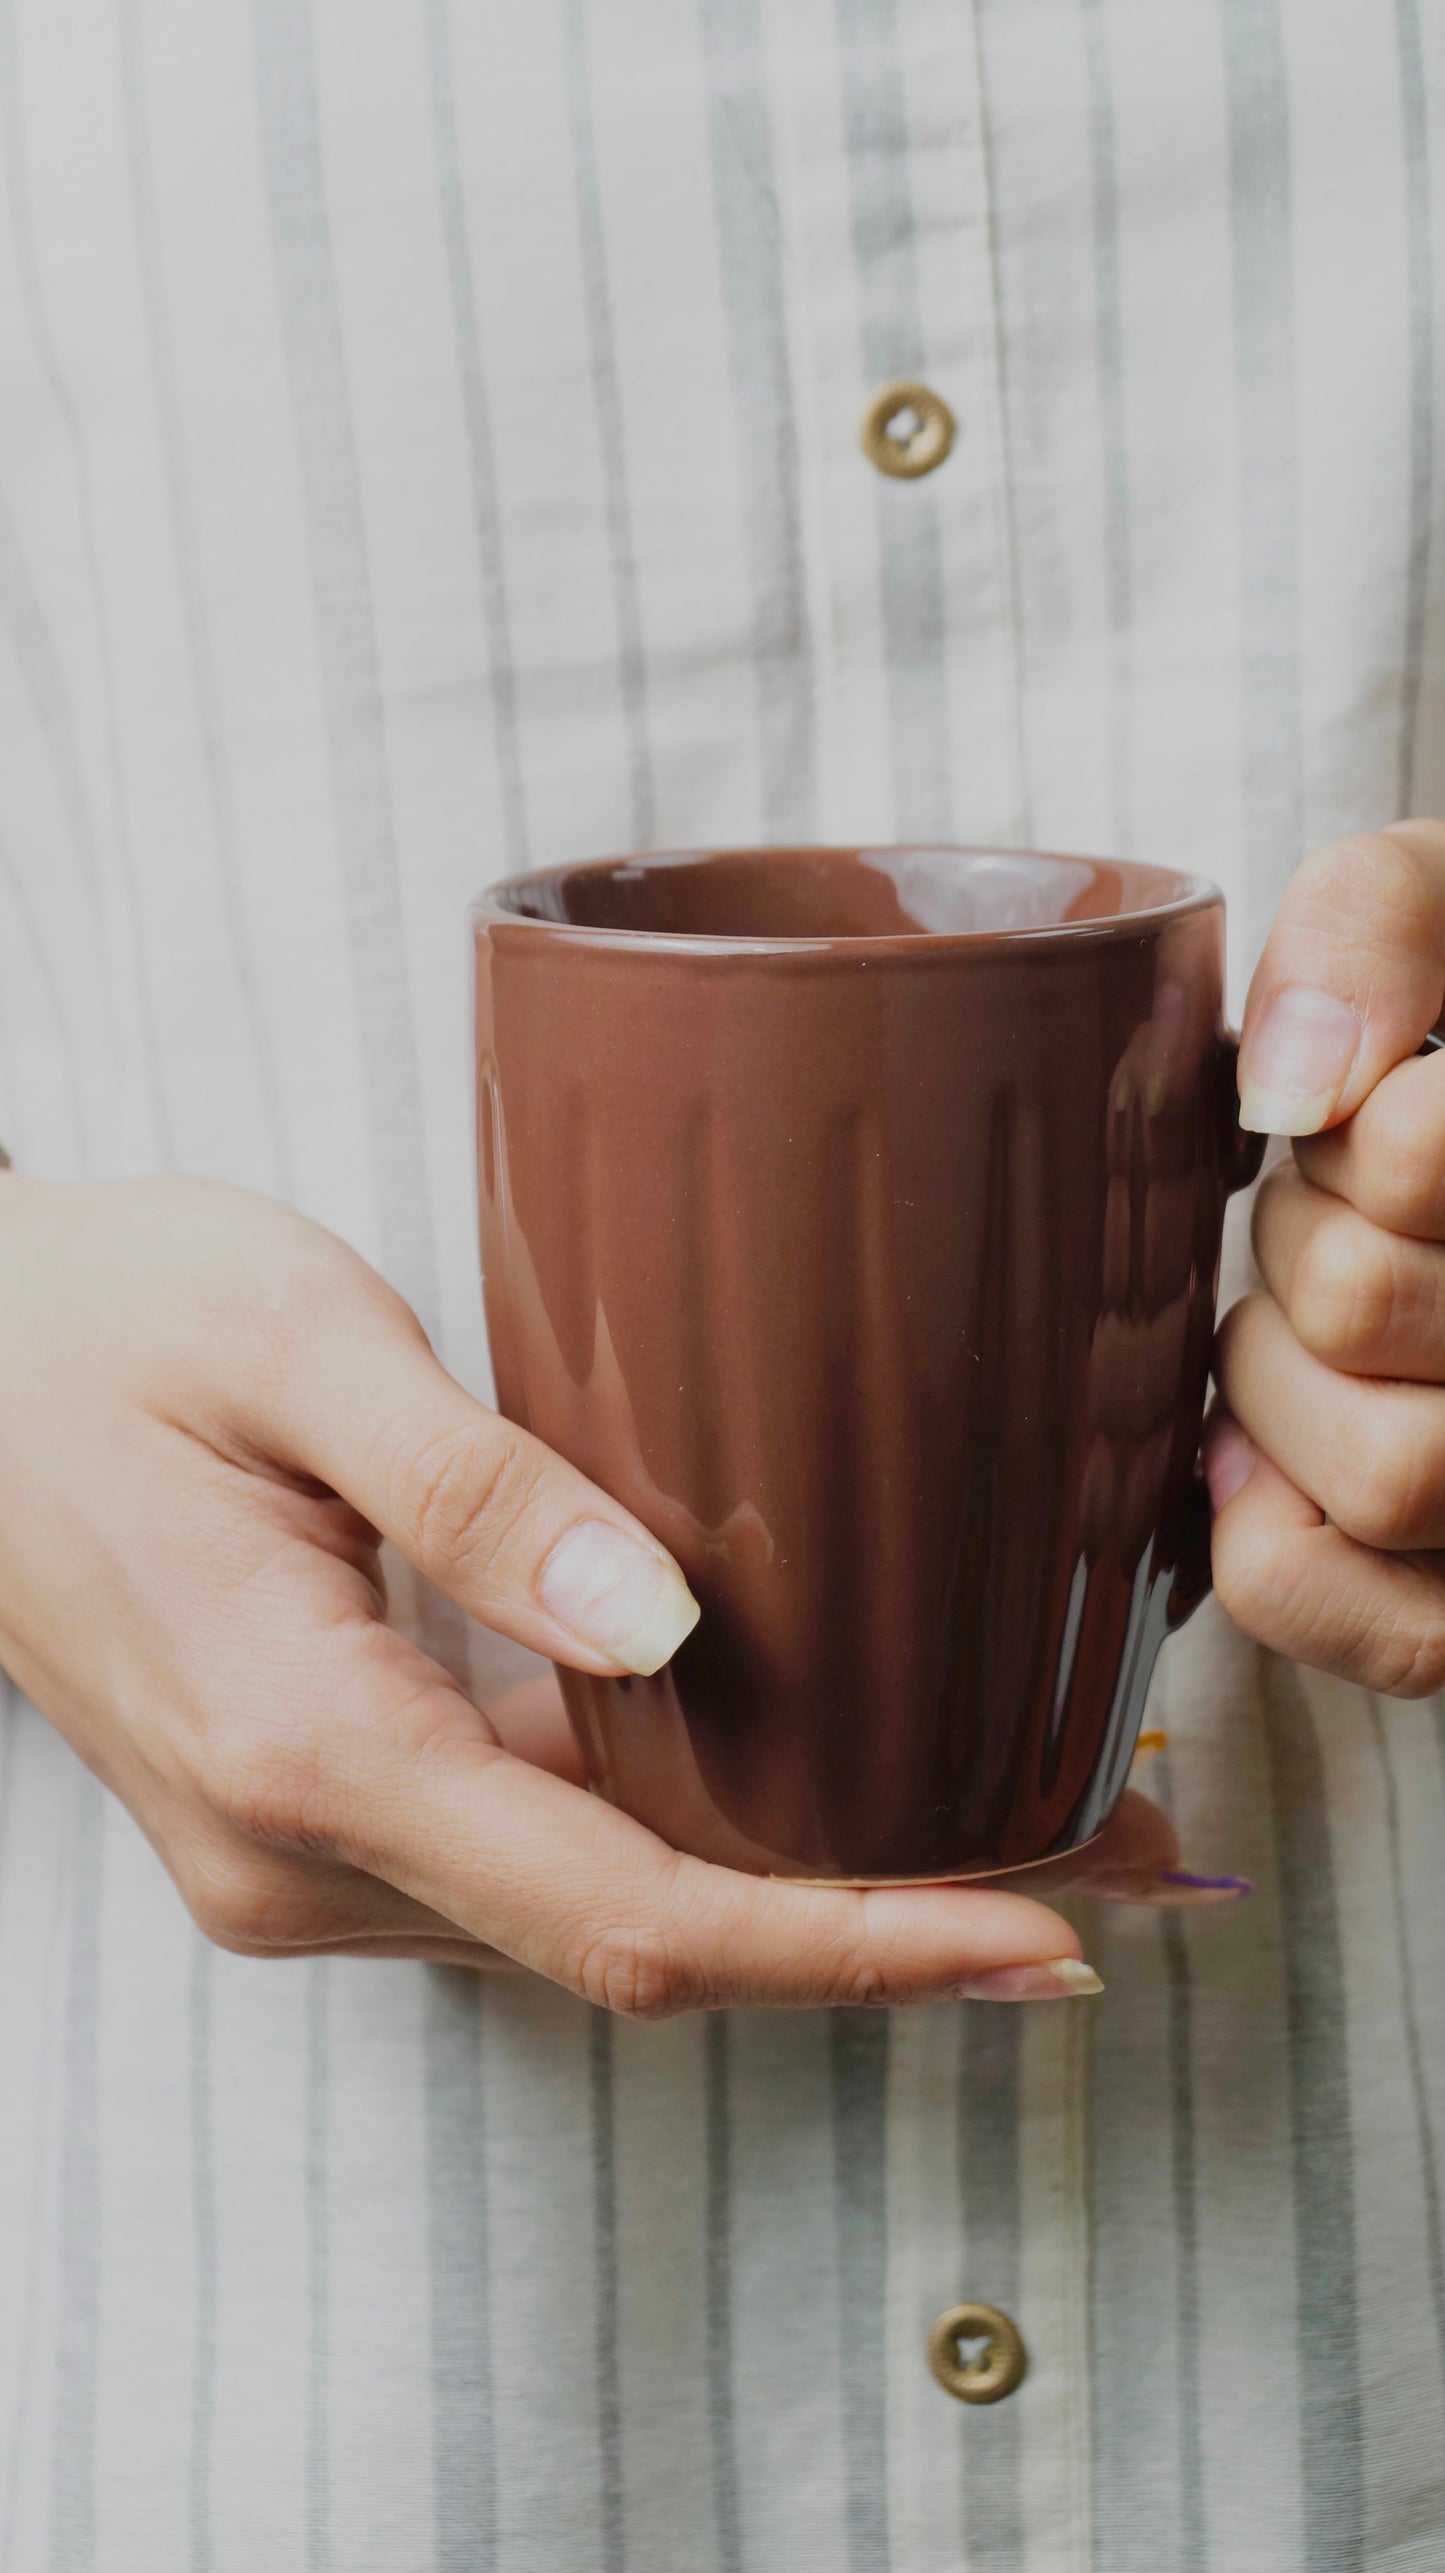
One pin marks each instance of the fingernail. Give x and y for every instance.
(1297, 1062)
(617, 1596)
(1061, 1979)
(1172, 1888)
(1230, 1457)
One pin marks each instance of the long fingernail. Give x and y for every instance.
(1172, 1888)
(1297, 1062)
(1230, 1457)
(1061, 1979)
(618, 1597)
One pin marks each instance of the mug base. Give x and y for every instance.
(957, 1876)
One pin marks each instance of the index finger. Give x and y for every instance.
(1350, 982)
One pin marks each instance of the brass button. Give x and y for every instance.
(976, 2353)
(906, 430)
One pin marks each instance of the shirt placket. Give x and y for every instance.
(885, 215)
(883, 172)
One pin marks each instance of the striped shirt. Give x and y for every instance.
(428, 446)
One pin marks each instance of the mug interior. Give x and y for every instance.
(845, 893)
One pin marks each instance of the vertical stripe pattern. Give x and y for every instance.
(860, 2095)
(481, 454)
(612, 2524)
(1260, 218)
(1111, 403)
(73, 2538)
(754, 294)
(464, 2466)
(914, 616)
(607, 397)
(208, 2319)
(719, 2297)
(989, 2103)
(1328, 2319)
(350, 679)
(434, 431)
(1419, 221)
(318, 2388)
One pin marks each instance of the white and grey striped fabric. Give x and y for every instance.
(427, 445)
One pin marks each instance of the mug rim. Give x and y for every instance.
(490, 909)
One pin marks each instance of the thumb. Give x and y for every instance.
(522, 1540)
(1350, 982)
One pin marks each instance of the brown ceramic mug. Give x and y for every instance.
(853, 1216)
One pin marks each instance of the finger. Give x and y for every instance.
(1370, 1454)
(517, 1535)
(1361, 1299)
(532, 1721)
(1389, 1160)
(417, 1792)
(1351, 979)
(1305, 1589)
(1134, 1859)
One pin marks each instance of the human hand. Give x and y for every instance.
(209, 1408)
(1326, 1459)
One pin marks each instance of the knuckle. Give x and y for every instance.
(1258, 1586)
(863, 1984)
(1407, 1655)
(634, 1971)
(461, 1492)
(271, 1794)
(249, 1909)
(1408, 1172)
(1392, 1485)
(1344, 1294)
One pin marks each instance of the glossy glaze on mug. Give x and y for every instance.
(854, 1218)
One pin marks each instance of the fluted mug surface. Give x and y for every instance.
(854, 1217)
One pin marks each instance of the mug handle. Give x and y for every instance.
(1240, 1156)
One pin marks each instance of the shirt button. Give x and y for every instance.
(906, 430)
(976, 2353)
